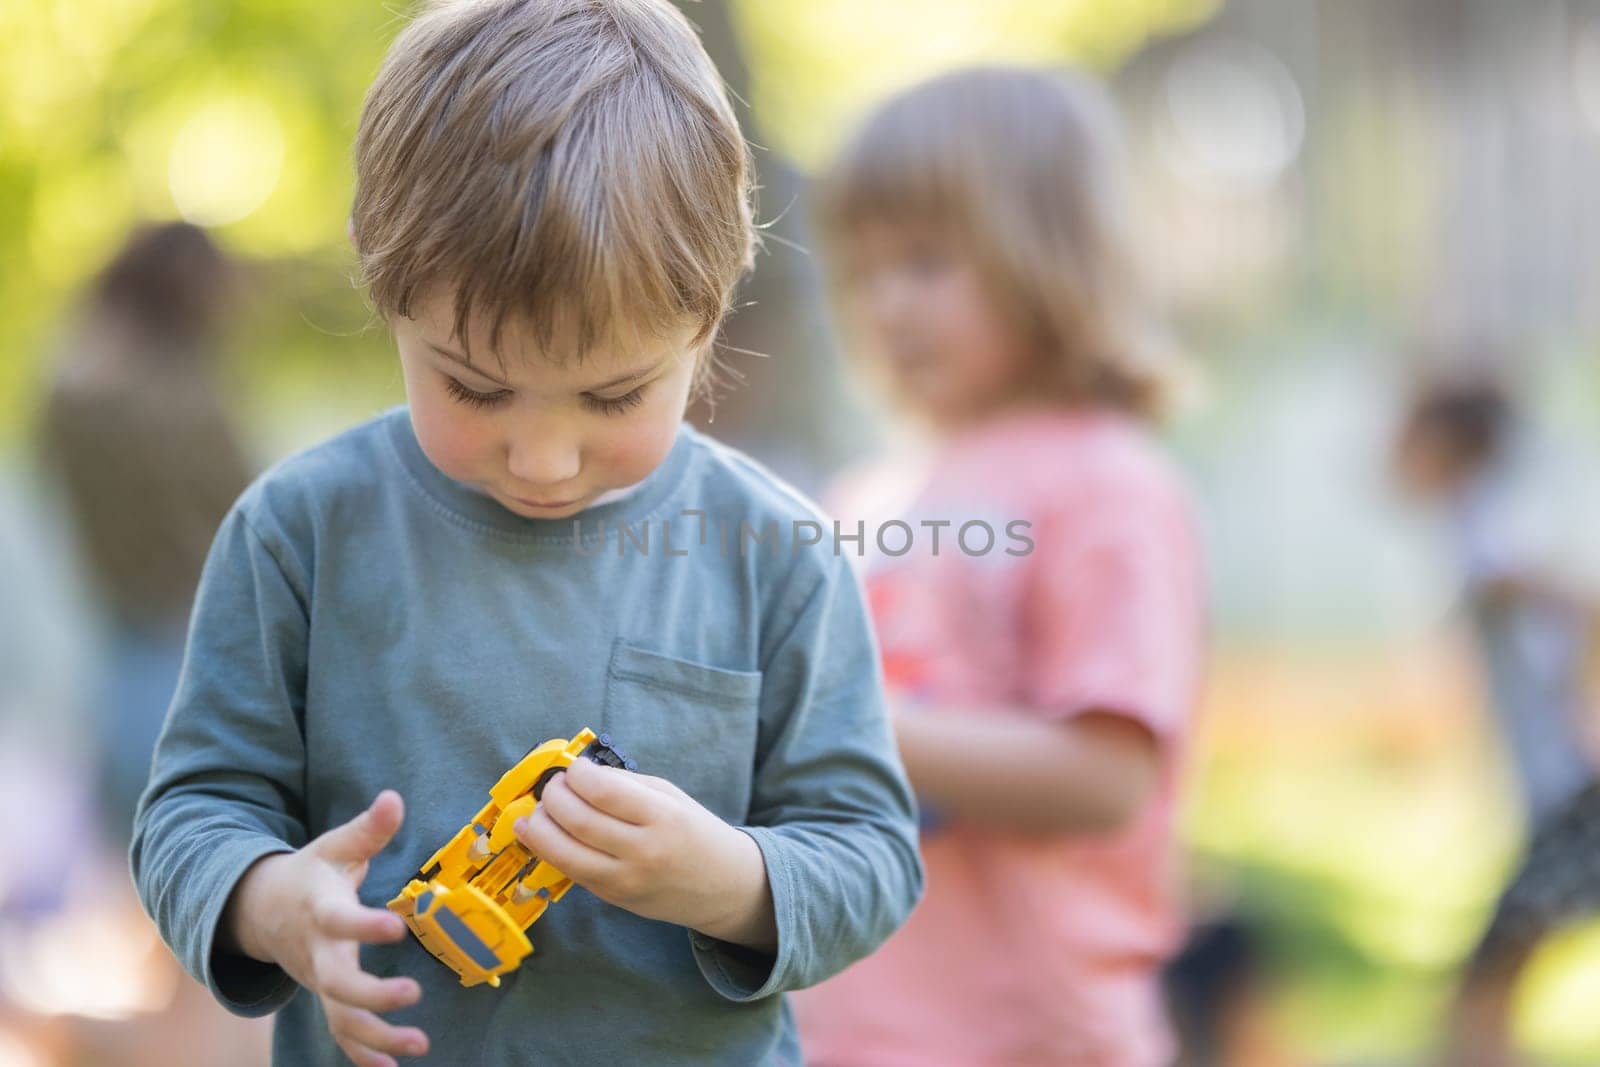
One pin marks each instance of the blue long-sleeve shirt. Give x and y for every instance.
(364, 621)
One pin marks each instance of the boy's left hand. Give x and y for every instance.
(643, 844)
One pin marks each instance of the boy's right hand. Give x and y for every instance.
(300, 910)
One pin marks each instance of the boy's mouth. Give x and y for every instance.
(546, 504)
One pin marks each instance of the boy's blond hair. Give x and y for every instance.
(1022, 168)
(572, 164)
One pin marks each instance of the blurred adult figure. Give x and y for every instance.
(147, 461)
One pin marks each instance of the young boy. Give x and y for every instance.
(551, 214)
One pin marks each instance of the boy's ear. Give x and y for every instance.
(350, 231)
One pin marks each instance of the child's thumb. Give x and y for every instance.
(365, 835)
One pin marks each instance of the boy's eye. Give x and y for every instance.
(615, 405)
(471, 397)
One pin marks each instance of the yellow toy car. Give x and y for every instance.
(475, 896)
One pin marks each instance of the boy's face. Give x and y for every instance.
(937, 337)
(541, 438)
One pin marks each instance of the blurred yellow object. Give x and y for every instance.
(477, 894)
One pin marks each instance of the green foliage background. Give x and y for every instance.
(240, 114)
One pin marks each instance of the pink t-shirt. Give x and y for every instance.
(1029, 950)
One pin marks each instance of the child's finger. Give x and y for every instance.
(359, 989)
(545, 838)
(626, 795)
(660, 785)
(370, 1034)
(585, 822)
(365, 835)
(356, 923)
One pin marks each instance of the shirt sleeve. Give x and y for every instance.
(227, 774)
(831, 809)
(1112, 617)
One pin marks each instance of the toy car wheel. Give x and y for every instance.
(544, 780)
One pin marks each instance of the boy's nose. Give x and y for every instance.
(541, 462)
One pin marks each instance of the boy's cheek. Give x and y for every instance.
(448, 444)
(629, 456)
(629, 449)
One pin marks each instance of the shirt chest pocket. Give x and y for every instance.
(692, 724)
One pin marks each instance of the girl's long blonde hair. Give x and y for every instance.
(1024, 169)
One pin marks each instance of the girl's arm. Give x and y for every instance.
(1092, 773)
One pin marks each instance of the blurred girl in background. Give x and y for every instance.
(1044, 673)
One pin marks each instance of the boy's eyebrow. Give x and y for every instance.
(459, 358)
(631, 376)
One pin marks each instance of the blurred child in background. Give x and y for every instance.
(1463, 449)
(147, 460)
(1045, 670)
(1516, 520)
